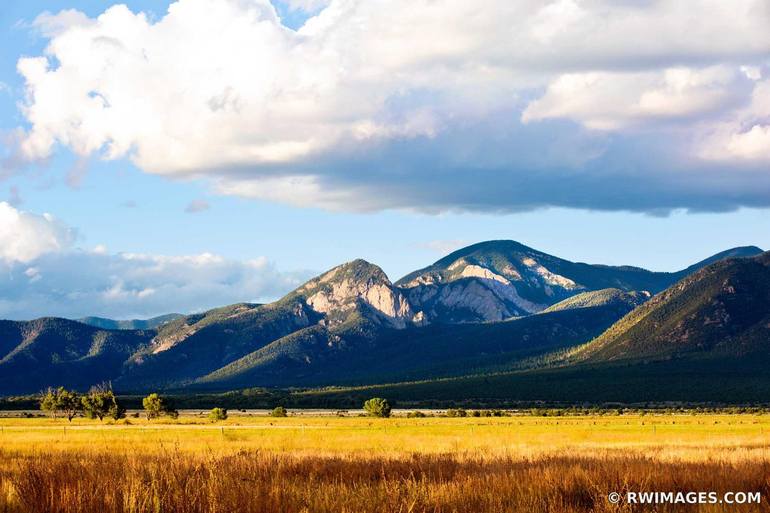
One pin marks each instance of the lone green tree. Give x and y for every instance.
(279, 411)
(377, 407)
(217, 414)
(155, 406)
(101, 402)
(68, 402)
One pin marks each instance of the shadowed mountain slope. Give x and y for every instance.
(52, 351)
(358, 352)
(720, 311)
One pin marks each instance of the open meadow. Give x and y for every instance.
(357, 464)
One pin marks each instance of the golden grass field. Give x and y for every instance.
(353, 464)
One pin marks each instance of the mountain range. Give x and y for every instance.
(496, 308)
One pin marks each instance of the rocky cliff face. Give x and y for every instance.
(467, 293)
(470, 300)
(488, 285)
(359, 287)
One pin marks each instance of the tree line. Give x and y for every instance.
(99, 402)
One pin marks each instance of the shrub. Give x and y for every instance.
(217, 414)
(415, 414)
(377, 407)
(456, 412)
(279, 411)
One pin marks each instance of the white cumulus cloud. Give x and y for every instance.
(25, 236)
(745, 135)
(42, 274)
(611, 101)
(431, 105)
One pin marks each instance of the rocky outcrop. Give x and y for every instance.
(482, 292)
(349, 287)
(470, 300)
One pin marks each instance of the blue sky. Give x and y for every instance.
(601, 185)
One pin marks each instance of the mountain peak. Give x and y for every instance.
(357, 286)
(489, 246)
(491, 281)
(493, 255)
(737, 252)
(359, 270)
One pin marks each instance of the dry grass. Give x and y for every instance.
(418, 465)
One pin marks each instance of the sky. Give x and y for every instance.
(162, 156)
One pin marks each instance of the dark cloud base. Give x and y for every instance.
(503, 166)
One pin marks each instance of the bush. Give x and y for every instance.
(377, 407)
(217, 414)
(456, 412)
(279, 411)
(415, 415)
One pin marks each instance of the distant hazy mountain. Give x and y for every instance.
(471, 312)
(133, 324)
